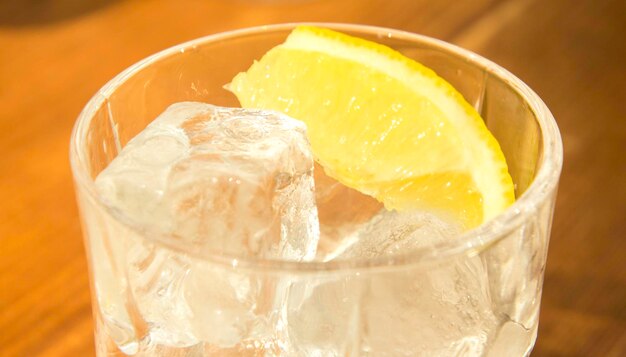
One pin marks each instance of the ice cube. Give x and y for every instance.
(440, 308)
(218, 180)
(391, 233)
(225, 180)
(182, 301)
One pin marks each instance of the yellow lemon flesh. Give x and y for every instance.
(383, 124)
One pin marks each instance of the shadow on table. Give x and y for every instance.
(19, 13)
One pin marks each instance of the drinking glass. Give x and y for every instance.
(476, 294)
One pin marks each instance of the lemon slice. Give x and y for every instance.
(383, 124)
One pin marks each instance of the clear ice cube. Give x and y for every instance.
(393, 233)
(209, 179)
(225, 180)
(406, 310)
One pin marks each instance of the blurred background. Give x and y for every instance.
(54, 55)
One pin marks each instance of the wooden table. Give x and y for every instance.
(55, 54)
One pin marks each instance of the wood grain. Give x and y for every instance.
(55, 54)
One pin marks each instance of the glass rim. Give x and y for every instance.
(473, 241)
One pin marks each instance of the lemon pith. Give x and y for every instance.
(383, 124)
